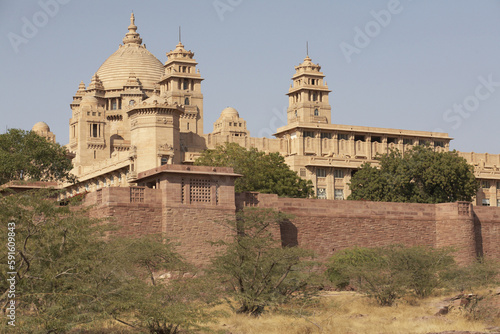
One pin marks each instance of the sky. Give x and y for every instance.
(416, 65)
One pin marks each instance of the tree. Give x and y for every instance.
(265, 173)
(258, 269)
(24, 155)
(419, 176)
(56, 255)
(69, 275)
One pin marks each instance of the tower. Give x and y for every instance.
(308, 95)
(181, 84)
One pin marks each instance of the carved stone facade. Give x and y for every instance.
(137, 114)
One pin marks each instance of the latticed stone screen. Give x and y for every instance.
(136, 195)
(200, 191)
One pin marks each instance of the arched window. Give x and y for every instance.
(316, 112)
(186, 101)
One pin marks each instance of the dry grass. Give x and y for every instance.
(348, 312)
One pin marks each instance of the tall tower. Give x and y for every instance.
(308, 95)
(181, 84)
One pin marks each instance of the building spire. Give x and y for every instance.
(132, 37)
(180, 34)
(307, 48)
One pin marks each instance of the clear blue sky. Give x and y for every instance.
(418, 65)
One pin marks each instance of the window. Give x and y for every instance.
(94, 131)
(486, 202)
(498, 185)
(164, 160)
(295, 113)
(359, 137)
(327, 135)
(186, 101)
(485, 184)
(321, 193)
(185, 85)
(113, 105)
(302, 172)
(343, 136)
(309, 134)
(338, 174)
(376, 139)
(339, 194)
(313, 81)
(187, 125)
(315, 97)
(320, 172)
(392, 140)
(316, 112)
(498, 202)
(407, 141)
(439, 143)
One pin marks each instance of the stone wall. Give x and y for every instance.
(325, 226)
(487, 220)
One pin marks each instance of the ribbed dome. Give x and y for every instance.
(229, 112)
(130, 58)
(40, 127)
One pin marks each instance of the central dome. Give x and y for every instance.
(131, 58)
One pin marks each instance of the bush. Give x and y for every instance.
(257, 269)
(388, 273)
(481, 273)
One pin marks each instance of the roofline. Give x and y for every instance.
(365, 129)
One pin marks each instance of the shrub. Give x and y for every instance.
(388, 273)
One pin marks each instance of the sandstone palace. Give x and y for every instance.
(137, 127)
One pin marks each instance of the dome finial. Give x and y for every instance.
(132, 37)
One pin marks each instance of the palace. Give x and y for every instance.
(138, 114)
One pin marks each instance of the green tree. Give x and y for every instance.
(58, 254)
(419, 176)
(150, 301)
(24, 155)
(258, 269)
(69, 275)
(265, 173)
